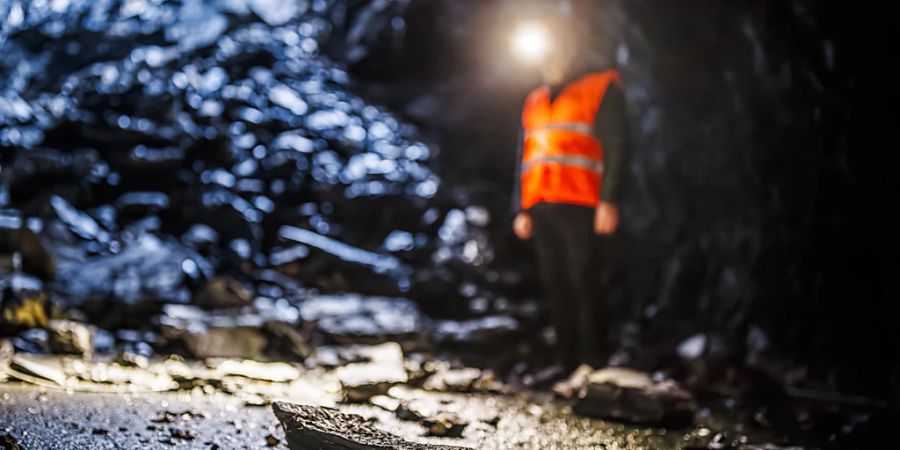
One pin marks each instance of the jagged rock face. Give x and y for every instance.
(312, 427)
(244, 139)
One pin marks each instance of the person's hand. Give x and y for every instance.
(606, 219)
(522, 226)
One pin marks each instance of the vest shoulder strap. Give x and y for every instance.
(597, 84)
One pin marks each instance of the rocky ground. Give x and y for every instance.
(42, 418)
(375, 397)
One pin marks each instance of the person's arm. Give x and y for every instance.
(516, 204)
(611, 129)
(522, 220)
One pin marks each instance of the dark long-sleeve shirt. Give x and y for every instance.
(610, 127)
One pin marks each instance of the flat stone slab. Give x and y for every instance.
(630, 396)
(313, 428)
(384, 368)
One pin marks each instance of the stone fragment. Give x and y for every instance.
(6, 354)
(385, 402)
(80, 223)
(274, 372)
(277, 12)
(352, 256)
(10, 443)
(37, 257)
(71, 338)
(361, 381)
(407, 411)
(631, 396)
(569, 387)
(484, 333)
(454, 380)
(692, 347)
(200, 237)
(186, 434)
(285, 256)
(139, 204)
(32, 340)
(227, 342)
(103, 341)
(34, 370)
(287, 341)
(223, 292)
(262, 330)
(27, 310)
(131, 359)
(313, 428)
(445, 424)
(175, 416)
(438, 419)
(150, 269)
(355, 318)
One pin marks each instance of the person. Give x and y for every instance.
(572, 151)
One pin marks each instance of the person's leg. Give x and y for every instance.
(552, 262)
(596, 297)
(581, 247)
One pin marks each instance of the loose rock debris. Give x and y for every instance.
(366, 379)
(9, 442)
(172, 417)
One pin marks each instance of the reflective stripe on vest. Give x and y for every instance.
(575, 127)
(587, 163)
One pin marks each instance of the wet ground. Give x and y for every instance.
(52, 419)
(41, 418)
(48, 419)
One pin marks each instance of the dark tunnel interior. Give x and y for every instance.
(194, 189)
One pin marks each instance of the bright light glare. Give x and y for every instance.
(531, 42)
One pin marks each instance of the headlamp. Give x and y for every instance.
(531, 42)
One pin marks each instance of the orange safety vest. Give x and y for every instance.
(562, 160)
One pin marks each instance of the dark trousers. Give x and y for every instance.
(567, 252)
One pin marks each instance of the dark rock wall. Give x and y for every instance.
(210, 125)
